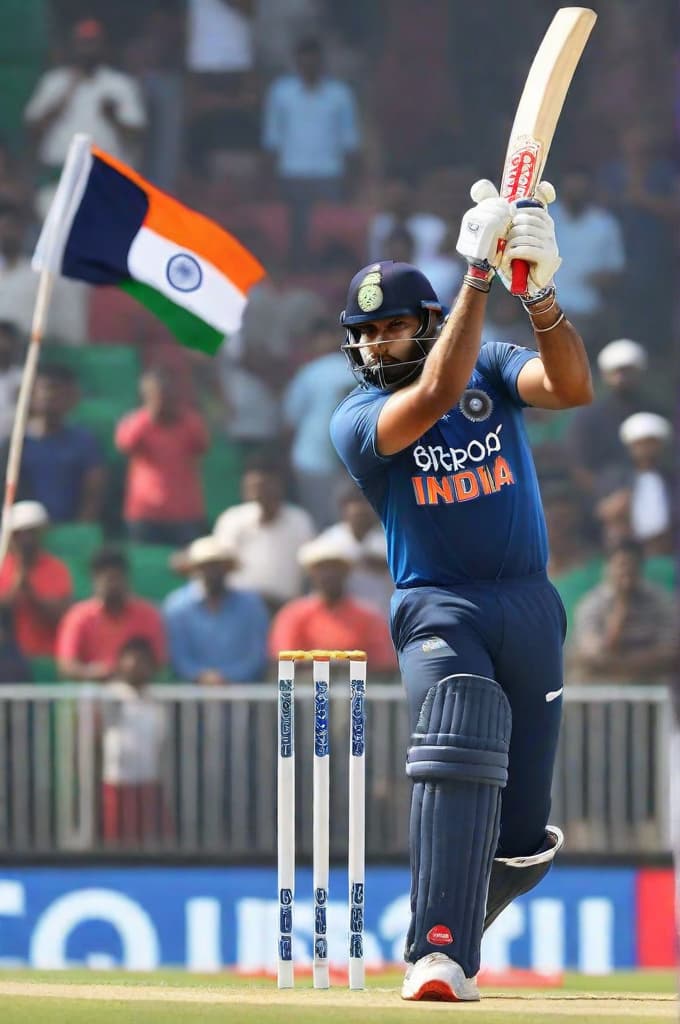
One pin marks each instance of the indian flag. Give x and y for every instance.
(109, 226)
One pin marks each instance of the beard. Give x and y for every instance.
(391, 374)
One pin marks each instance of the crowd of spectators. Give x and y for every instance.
(307, 129)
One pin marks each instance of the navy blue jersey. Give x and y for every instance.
(462, 502)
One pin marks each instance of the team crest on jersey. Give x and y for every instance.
(476, 405)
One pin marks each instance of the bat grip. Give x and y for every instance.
(520, 268)
(520, 277)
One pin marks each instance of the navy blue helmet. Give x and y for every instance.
(388, 289)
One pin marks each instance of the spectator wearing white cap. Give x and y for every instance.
(637, 500)
(217, 634)
(328, 617)
(35, 587)
(592, 440)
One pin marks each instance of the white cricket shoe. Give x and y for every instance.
(437, 976)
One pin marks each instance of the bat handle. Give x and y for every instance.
(520, 277)
(520, 268)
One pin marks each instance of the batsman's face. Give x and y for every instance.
(388, 340)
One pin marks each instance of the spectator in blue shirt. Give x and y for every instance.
(216, 634)
(308, 404)
(310, 127)
(63, 466)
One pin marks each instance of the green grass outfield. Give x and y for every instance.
(114, 997)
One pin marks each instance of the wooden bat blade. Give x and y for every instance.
(540, 106)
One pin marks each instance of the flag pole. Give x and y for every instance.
(16, 445)
(53, 231)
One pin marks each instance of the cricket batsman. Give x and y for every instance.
(434, 437)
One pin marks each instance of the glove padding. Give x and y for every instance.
(483, 226)
(532, 238)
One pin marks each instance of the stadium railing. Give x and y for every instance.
(217, 772)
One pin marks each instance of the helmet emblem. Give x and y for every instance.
(370, 296)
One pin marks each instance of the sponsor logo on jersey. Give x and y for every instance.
(469, 472)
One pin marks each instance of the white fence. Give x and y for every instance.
(218, 771)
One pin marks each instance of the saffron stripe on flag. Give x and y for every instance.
(189, 329)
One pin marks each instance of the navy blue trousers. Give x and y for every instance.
(511, 631)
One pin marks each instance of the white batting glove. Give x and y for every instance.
(532, 238)
(484, 228)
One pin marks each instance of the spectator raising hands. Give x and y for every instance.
(35, 587)
(164, 442)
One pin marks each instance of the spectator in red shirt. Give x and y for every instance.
(329, 618)
(164, 442)
(35, 587)
(92, 632)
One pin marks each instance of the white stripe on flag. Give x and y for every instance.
(187, 279)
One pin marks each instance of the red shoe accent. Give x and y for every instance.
(440, 935)
(437, 991)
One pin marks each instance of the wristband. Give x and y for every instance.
(479, 275)
(539, 312)
(542, 330)
(545, 293)
(480, 284)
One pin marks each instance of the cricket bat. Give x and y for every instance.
(539, 108)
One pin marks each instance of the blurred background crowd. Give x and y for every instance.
(182, 518)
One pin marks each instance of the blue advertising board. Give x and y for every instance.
(205, 919)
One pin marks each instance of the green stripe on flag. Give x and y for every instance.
(188, 328)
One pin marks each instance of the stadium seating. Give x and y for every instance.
(114, 315)
(661, 569)
(576, 583)
(44, 669)
(222, 465)
(109, 371)
(100, 415)
(341, 224)
(150, 574)
(24, 43)
(263, 226)
(75, 543)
